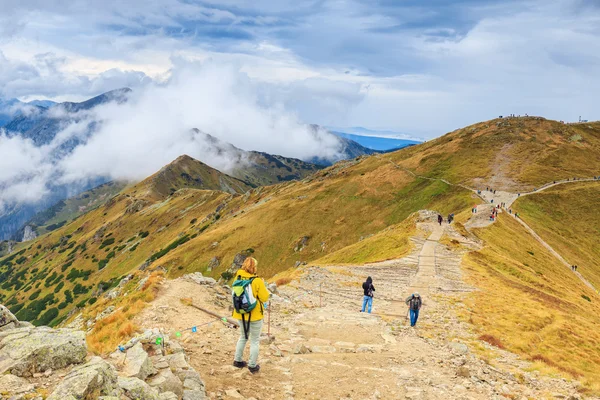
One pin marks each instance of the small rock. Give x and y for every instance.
(459, 347)
(234, 394)
(463, 372)
(301, 349)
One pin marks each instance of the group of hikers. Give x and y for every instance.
(440, 219)
(574, 268)
(250, 300)
(414, 301)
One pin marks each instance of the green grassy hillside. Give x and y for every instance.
(66, 210)
(163, 222)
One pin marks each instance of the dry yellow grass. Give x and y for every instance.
(567, 217)
(118, 327)
(533, 305)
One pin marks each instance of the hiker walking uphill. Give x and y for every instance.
(249, 297)
(368, 290)
(440, 219)
(414, 304)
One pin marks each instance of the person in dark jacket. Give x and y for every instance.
(414, 304)
(368, 290)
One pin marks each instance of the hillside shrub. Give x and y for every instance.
(68, 296)
(194, 221)
(134, 247)
(82, 303)
(171, 246)
(80, 289)
(59, 287)
(107, 242)
(586, 298)
(227, 275)
(46, 317)
(92, 300)
(15, 308)
(35, 295)
(63, 305)
(102, 264)
(144, 234)
(50, 279)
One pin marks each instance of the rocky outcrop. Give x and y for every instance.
(88, 381)
(150, 366)
(138, 363)
(25, 351)
(197, 277)
(166, 381)
(28, 234)
(135, 388)
(213, 263)
(7, 319)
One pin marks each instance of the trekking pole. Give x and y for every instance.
(269, 321)
(320, 295)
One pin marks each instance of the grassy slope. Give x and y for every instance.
(567, 217)
(336, 206)
(532, 303)
(524, 154)
(75, 206)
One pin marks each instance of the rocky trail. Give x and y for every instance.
(322, 347)
(494, 197)
(316, 343)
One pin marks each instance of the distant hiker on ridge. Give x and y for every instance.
(249, 295)
(440, 219)
(368, 290)
(414, 304)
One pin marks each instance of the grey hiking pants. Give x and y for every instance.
(254, 337)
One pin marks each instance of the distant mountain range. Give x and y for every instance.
(43, 120)
(11, 108)
(377, 142)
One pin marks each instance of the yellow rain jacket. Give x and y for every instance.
(260, 293)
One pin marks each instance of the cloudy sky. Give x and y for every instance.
(423, 67)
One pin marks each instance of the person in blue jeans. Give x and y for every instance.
(368, 289)
(414, 303)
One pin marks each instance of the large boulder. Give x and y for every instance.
(166, 381)
(7, 319)
(25, 351)
(138, 363)
(88, 382)
(135, 388)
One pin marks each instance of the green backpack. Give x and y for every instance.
(243, 299)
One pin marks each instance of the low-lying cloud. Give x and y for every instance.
(134, 139)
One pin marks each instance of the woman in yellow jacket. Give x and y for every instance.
(248, 271)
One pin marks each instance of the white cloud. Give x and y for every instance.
(137, 138)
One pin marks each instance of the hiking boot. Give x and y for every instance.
(254, 369)
(240, 364)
